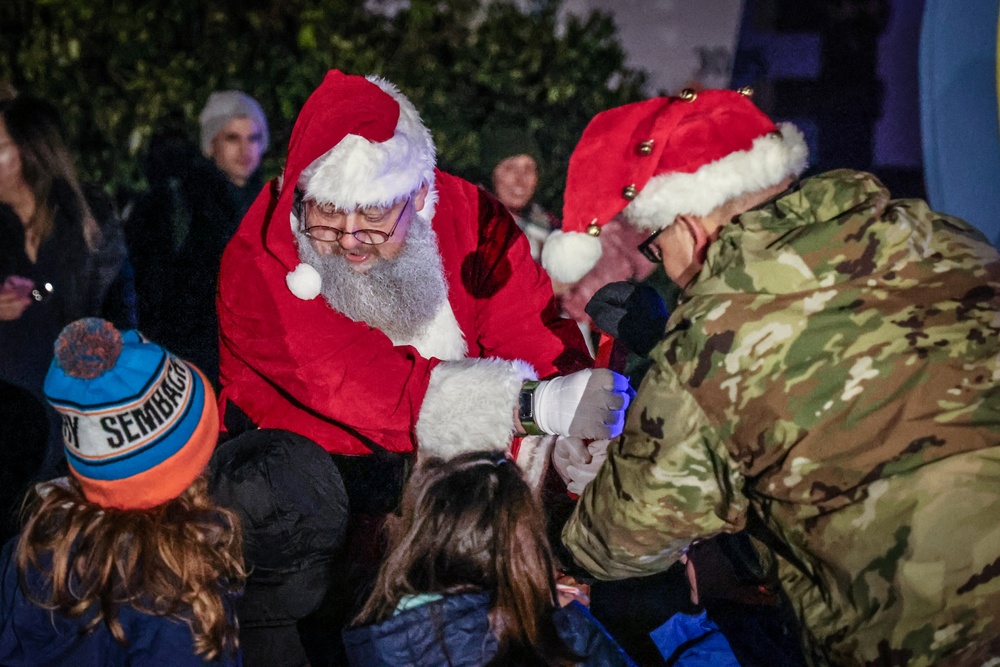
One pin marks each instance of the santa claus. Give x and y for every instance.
(373, 303)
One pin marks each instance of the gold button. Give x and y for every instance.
(745, 91)
(630, 192)
(593, 228)
(688, 95)
(645, 148)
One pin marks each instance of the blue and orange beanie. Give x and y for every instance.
(139, 425)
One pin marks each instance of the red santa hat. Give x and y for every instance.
(364, 169)
(654, 160)
(357, 142)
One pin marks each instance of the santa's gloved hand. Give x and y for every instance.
(578, 462)
(587, 404)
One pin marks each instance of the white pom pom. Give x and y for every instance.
(304, 282)
(568, 256)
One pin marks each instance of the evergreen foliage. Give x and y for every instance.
(122, 70)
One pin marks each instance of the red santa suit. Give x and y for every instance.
(290, 361)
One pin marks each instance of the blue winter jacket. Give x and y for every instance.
(31, 636)
(455, 631)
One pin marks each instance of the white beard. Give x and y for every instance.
(399, 297)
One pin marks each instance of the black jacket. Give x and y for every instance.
(79, 280)
(176, 235)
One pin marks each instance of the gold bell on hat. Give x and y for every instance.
(630, 192)
(594, 229)
(689, 95)
(745, 91)
(645, 147)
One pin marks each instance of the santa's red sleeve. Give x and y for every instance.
(509, 303)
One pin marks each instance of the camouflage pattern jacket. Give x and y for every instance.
(832, 375)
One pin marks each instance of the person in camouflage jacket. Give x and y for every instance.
(830, 379)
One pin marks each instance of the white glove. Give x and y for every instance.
(586, 404)
(577, 463)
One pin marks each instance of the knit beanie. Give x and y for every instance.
(224, 106)
(139, 425)
(499, 142)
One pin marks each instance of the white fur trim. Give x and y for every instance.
(357, 172)
(533, 457)
(304, 282)
(568, 256)
(470, 405)
(770, 160)
(442, 339)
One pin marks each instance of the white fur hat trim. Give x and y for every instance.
(771, 159)
(357, 172)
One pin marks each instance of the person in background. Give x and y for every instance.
(57, 260)
(180, 228)
(512, 159)
(828, 380)
(157, 219)
(470, 580)
(24, 441)
(127, 560)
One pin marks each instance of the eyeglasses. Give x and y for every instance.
(651, 251)
(332, 234)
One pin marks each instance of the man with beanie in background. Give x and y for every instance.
(181, 226)
(234, 135)
(380, 307)
(829, 380)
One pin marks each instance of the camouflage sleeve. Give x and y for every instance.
(666, 482)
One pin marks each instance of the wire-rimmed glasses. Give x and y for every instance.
(365, 235)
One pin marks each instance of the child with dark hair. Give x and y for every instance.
(470, 578)
(127, 561)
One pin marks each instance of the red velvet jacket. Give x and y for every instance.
(299, 365)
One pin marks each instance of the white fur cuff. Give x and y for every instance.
(533, 458)
(470, 405)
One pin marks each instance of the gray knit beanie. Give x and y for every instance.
(225, 105)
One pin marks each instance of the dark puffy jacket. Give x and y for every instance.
(455, 631)
(31, 636)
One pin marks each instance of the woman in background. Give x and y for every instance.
(57, 260)
(511, 159)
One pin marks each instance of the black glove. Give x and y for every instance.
(632, 313)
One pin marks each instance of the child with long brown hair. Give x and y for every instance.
(470, 578)
(127, 560)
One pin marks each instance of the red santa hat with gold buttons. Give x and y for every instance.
(654, 160)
